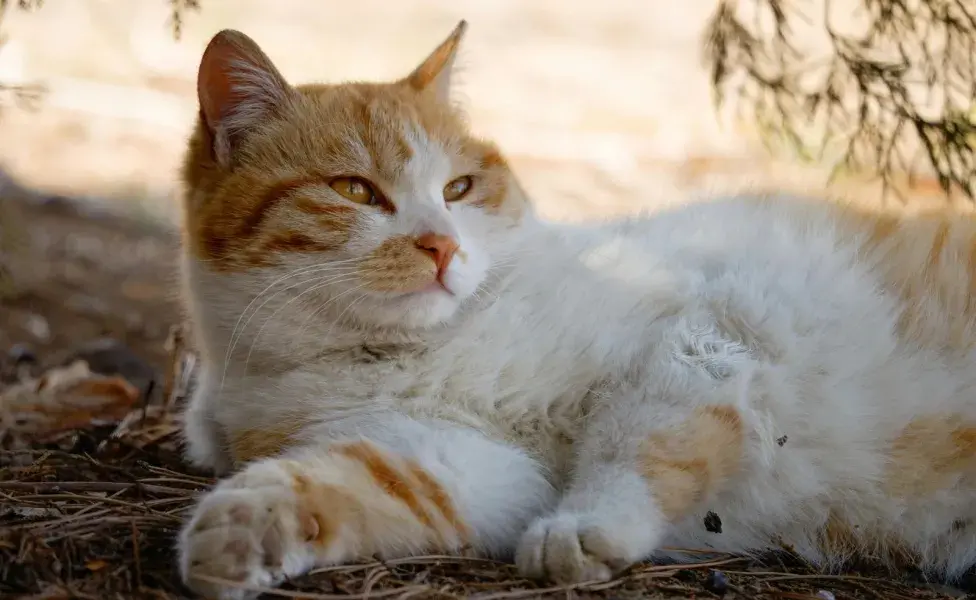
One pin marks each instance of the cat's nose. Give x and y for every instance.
(441, 248)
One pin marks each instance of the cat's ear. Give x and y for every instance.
(238, 87)
(434, 74)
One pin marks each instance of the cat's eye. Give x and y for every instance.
(356, 189)
(457, 189)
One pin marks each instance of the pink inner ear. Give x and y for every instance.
(215, 80)
(214, 83)
(234, 71)
(237, 86)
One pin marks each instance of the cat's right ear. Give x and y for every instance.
(238, 86)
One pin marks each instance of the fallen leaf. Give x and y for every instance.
(96, 565)
(64, 399)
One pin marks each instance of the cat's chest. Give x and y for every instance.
(367, 372)
(477, 380)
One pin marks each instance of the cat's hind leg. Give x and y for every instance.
(399, 487)
(648, 458)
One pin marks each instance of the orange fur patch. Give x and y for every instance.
(927, 262)
(252, 444)
(928, 454)
(685, 464)
(397, 265)
(389, 479)
(294, 241)
(413, 487)
(322, 508)
(493, 179)
(438, 496)
(245, 234)
(836, 539)
(839, 542)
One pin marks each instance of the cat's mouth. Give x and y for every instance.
(433, 287)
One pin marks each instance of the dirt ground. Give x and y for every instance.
(93, 513)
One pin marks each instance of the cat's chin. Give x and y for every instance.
(429, 306)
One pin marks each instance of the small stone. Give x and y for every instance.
(713, 522)
(717, 582)
(21, 354)
(133, 322)
(782, 441)
(38, 327)
(88, 305)
(825, 595)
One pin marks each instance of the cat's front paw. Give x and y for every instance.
(570, 548)
(250, 531)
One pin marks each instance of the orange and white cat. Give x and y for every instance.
(400, 358)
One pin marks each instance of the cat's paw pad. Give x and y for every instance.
(565, 549)
(248, 531)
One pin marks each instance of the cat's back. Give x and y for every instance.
(919, 266)
(874, 308)
(824, 268)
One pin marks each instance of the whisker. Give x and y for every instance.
(232, 345)
(233, 341)
(351, 304)
(299, 271)
(282, 307)
(331, 300)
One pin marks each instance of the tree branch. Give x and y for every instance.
(906, 81)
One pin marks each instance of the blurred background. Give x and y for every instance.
(603, 107)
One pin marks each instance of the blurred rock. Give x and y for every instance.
(88, 305)
(21, 353)
(38, 327)
(717, 582)
(19, 364)
(107, 356)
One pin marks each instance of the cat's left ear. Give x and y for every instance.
(238, 88)
(434, 74)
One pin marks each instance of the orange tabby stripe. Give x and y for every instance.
(436, 493)
(270, 197)
(404, 487)
(388, 478)
(294, 241)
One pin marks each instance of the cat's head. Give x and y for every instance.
(375, 195)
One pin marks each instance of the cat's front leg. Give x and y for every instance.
(405, 488)
(204, 441)
(647, 460)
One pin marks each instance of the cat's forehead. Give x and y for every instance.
(384, 128)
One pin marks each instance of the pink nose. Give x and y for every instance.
(441, 248)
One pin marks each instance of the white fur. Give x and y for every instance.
(571, 345)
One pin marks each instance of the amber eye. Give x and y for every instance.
(457, 189)
(356, 189)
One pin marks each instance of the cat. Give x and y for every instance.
(400, 356)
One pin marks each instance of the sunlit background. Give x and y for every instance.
(604, 107)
